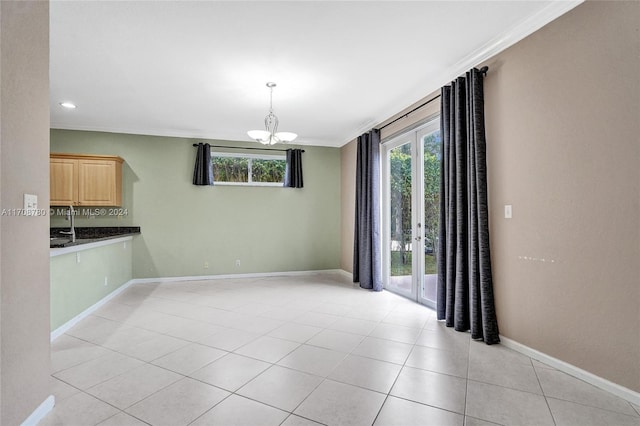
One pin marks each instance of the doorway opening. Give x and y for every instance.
(411, 212)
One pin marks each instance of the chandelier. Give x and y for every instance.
(271, 136)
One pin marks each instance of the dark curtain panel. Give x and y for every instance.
(366, 247)
(465, 285)
(203, 169)
(293, 170)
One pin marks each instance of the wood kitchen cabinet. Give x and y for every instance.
(85, 180)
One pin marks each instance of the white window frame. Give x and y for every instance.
(250, 157)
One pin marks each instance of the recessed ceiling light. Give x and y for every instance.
(67, 105)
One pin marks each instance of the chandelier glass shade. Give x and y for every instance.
(270, 134)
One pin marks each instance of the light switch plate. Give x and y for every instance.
(507, 211)
(30, 203)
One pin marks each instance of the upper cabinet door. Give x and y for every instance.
(97, 183)
(63, 178)
(85, 180)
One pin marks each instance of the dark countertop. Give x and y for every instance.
(85, 235)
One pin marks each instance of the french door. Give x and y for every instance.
(411, 212)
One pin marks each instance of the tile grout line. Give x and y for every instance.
(466, 387)
(362, 306)
(577, 402)
(394, 383)
(347, 354)
(211, 408)
(324, 379)
(271, 366)
(183, 376)
(187, 376)
(187, 342)
(546, 401)
(637, 417)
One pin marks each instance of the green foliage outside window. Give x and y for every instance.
(267, 170)
(230, 169)
(241, 169)
(432, 144)
(400, 185)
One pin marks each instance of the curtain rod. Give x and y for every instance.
(239, 147)
(483, 70)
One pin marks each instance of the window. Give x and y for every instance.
(248, 169)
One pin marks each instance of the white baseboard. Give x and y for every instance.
(73, 321)
(346, 274)
(235, 276)
(39, 413)
(574, 371)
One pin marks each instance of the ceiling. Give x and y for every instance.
(198, 69)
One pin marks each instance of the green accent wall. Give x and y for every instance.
(269, 229)
(75, 286)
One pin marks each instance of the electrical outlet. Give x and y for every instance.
(206, 265)
(77, 257)
(237, 262)
(106, 281)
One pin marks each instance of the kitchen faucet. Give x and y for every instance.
(71, 218)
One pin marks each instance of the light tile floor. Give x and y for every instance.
(302, 350)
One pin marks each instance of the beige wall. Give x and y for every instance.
(401, 122)
(562, 118)
(348, 202)
(562, 114)
(24, 251)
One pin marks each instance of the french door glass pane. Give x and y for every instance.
(431, 143)
(400, 218)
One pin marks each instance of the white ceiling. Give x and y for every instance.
(198, 69)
